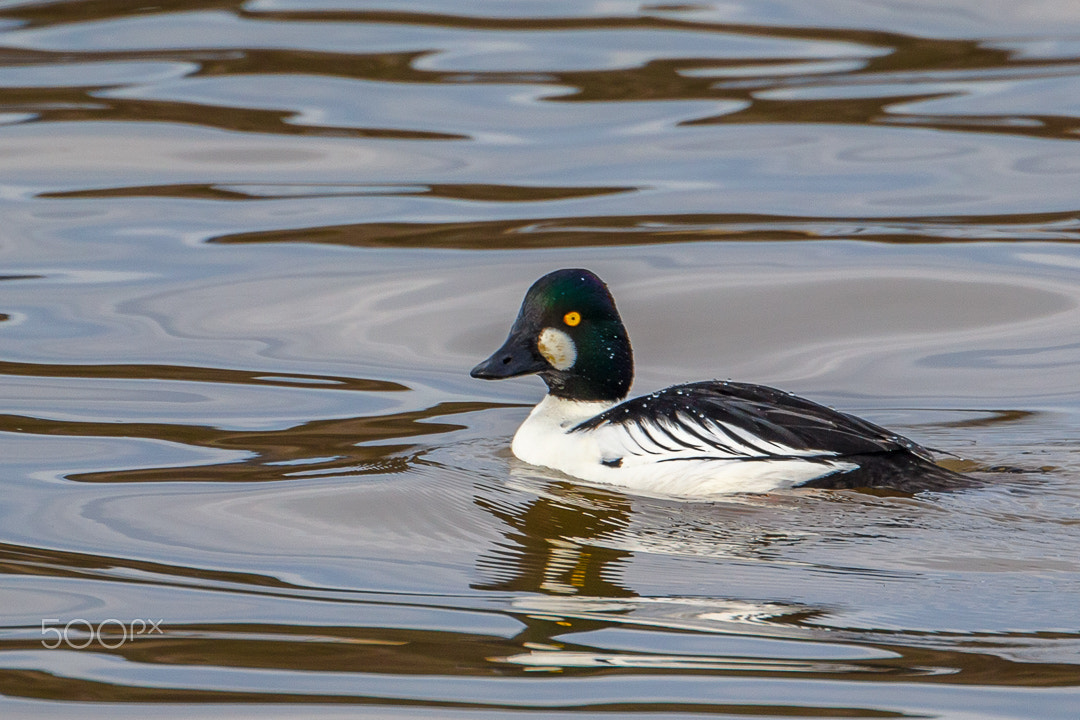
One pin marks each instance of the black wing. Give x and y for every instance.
(740, 420)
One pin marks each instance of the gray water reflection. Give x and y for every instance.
(252, 249)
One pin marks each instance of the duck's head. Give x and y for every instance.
(569, 333)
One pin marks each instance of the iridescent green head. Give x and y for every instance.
(570, 334)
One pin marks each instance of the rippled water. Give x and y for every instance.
(249, 252)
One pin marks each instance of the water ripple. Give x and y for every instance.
(253, 248)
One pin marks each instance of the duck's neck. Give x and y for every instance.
(561, 413)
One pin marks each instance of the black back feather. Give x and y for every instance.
(884, 458)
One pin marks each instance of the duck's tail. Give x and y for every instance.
(901, 471)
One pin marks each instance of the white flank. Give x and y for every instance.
(651, 461)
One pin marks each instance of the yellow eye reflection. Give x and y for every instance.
(572, 318)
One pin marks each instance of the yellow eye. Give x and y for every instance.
(572, 318)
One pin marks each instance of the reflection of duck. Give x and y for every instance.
(563, 563)
(550, 549)
(697, 439)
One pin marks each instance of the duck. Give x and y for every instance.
(699, 439)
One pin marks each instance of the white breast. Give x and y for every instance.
(545, 439)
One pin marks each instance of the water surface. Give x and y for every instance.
(250, 251)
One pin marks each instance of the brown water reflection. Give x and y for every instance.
(892, 78)
(311, 449)
(483, 193)
(197, 374)
(537, 233)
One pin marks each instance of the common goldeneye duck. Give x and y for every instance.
(698, 439)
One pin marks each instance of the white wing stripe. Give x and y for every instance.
(708, 441)
(641, 439)
(746, 443)
(766, 447)
(775, 448)
(685, 436)
(681, 434)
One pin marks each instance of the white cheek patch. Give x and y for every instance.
(557, 348)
